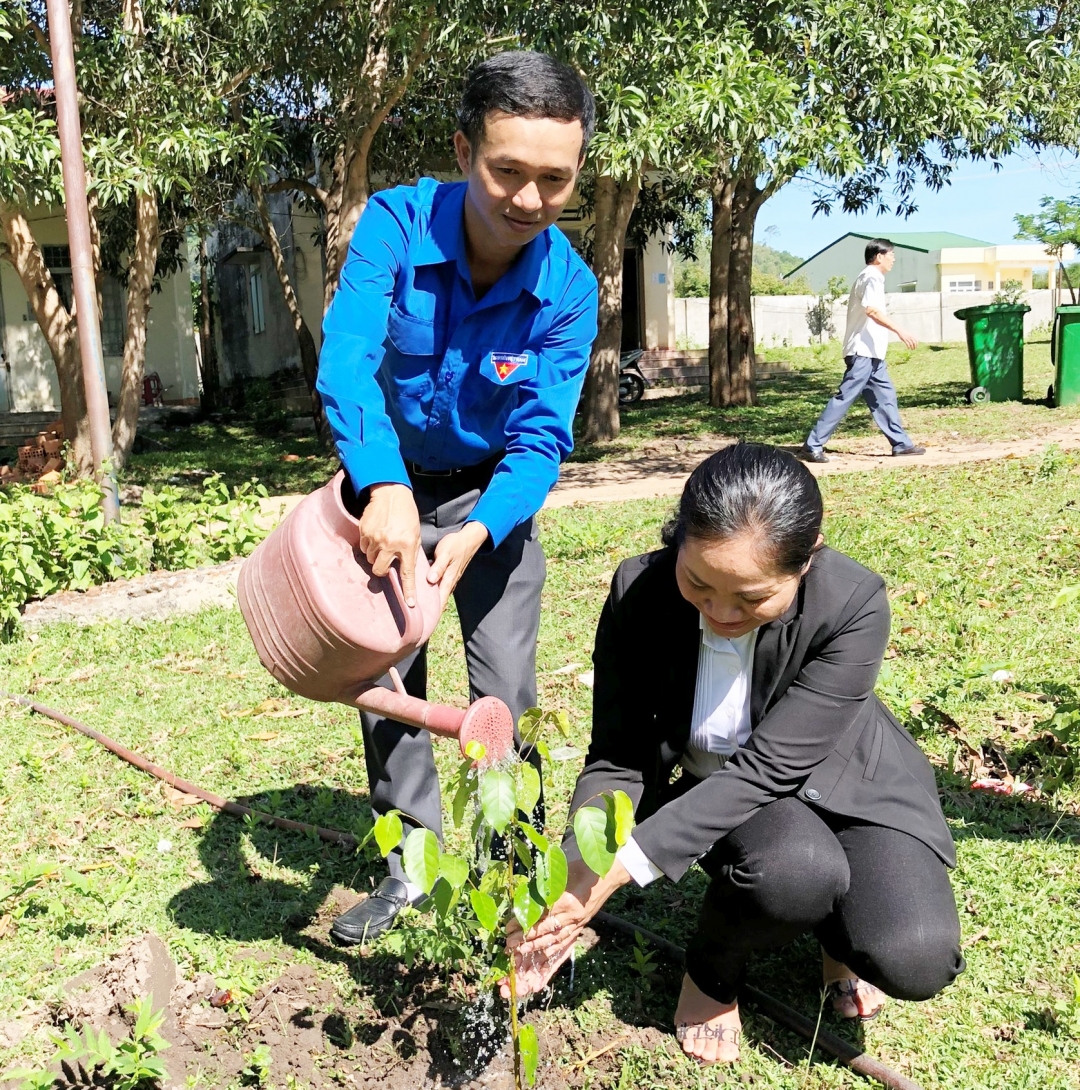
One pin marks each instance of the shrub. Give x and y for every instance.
(62, 542)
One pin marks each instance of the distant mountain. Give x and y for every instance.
(692, 277)
(774, 262)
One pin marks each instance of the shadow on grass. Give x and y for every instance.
(788, 407)
(236, 449)
(241, 904)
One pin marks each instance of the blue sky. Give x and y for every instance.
(978, 202)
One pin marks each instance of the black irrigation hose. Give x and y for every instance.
(779, 1012)
(844, 1051)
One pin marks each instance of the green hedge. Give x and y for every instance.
(61, 541)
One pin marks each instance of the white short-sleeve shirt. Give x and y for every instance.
(864, 336)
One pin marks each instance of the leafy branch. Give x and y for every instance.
(512, 870)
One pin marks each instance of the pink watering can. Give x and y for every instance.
(327, 628)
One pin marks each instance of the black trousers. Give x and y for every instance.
(877, 900)
(498, 605)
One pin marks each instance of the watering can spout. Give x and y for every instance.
(326, 627)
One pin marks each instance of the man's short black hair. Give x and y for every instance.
(875, 248)
(525, 84)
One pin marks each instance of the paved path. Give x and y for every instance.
(659, 470)
(664, 473)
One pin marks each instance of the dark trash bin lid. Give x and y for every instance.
(987, 309)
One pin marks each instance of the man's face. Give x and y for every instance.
(520, 178)
(886, 261)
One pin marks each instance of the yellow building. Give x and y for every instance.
(930, 261)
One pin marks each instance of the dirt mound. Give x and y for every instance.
(409, 1034)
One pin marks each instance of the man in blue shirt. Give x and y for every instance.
(453, 357)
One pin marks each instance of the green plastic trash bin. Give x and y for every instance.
(1065, 355)
(995, 340)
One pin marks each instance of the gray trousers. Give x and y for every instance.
(870, 378)
(498, 604)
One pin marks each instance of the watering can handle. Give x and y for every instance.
(414, 619)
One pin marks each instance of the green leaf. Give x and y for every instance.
(475, 750)
(556, 873)
(421, 858)
(624, 817)
(445, 896)
(528, 906)
(466, 786)
(486, 910)
(388, 832)
(497, 798)
(592, 829)
(454, 869)
(539, 841)
(529, 1048)
(528, 792)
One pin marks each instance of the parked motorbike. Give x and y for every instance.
(632, 382)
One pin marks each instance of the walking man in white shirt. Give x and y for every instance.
(866, 340)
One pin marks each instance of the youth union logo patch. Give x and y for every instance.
(506, 363)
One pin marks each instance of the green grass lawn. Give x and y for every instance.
(974, 558)
(931, 382)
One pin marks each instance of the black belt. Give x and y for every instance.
(481, 472)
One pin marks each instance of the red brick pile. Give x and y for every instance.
(40, 463)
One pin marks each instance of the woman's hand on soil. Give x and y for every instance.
(538, 954)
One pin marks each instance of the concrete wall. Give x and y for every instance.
(780, 320)
(32, 385)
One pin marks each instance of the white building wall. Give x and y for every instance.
(32, 385)
(658, 296)
(780, 320)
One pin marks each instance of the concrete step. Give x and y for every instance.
(17, 429)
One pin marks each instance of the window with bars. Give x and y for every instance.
(112, 317)
(258, 303)
(58, 260)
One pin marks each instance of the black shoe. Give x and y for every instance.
(808, 455)
(370, 918)
(908, 451)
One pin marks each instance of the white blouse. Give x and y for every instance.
(719, 724)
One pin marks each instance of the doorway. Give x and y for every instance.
(633, 293)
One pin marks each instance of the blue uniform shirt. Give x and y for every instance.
(414, 367)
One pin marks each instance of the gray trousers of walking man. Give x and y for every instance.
(869, 378)
(498, 604)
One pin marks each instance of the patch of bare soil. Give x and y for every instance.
(427, 1041)
(152, 597)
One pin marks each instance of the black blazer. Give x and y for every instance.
(818, 730)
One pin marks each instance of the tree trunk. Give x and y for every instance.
(350, 187)
(309, 358)
(140, 283)
(747, 201)
(719, 284)
(334, 256)
(59, 329)
(211, 376)
(600, 403)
